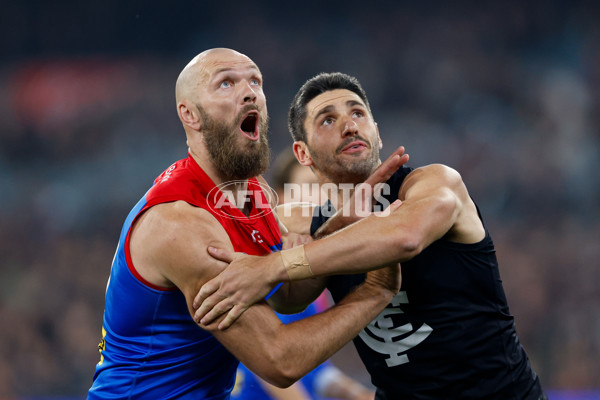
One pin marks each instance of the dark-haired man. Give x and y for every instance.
(448, 334)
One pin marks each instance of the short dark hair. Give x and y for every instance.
(313, 87)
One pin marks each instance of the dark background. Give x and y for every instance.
(505, 92)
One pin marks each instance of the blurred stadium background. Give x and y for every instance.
(505, 92)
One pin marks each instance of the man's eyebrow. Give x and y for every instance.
(227, 69)
(322, 111)
(352, 103)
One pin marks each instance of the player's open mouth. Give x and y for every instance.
(249, 126)
(354, 147)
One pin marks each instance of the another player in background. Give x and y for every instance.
(151, 347)
(449, 333)
(326, 381)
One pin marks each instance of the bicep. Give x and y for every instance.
(432, 201)
(181, 234)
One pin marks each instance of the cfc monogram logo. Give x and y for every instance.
(383, 337)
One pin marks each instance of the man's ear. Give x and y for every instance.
(189, 115)
(378, 137)
(302, 153)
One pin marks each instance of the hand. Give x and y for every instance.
(361, 203)
(243, 283)
(388, 277)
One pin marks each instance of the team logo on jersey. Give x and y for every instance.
(256, 238)
(227, 196)
(394, 341)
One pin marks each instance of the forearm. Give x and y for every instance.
(282, 354)
(379, 240)
(361, 247)
(294, 297)
(333, 224)
(327, 332)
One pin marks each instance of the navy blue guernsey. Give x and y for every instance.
(448, 334)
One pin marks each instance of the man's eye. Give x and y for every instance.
(327, 121)
(255, 82)
(225, 84)
(358, 114)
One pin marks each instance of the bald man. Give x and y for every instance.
(151, 347)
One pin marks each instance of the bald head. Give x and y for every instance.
(199, 70)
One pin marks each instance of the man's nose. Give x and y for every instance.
(350, 127)
(248, 95)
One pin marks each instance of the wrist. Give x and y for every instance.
(376, 291)
(276, 272)
(295, 263)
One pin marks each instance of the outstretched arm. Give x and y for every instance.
(169, 248)
(435, 203)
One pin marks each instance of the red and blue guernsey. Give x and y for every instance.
(151, 348)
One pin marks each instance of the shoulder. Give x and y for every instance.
(179, 219)
(439, 175)
(446, 185)
(169, 243)
(440, 171)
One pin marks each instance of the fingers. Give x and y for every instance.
(395, 205)
(206, 290)
(221, 254)
(211, 309)
(232, 316)
(388, 167)
(403, 157)
(390, 209)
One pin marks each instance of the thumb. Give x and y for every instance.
(391, 208)
(395, 205)
(221, 254)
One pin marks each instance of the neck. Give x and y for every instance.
(233, 188)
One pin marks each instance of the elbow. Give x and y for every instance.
(281, 381)
(280, 370)
(407, 246)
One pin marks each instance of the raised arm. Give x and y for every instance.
(435, 203)
(169, 248)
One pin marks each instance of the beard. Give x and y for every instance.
(234, 160)
(339, 170)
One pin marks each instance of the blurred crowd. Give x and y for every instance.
(508, 93)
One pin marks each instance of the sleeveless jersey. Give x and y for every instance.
(448, 334)
(151, 347)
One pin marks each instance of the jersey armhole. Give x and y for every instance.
(132, 268)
